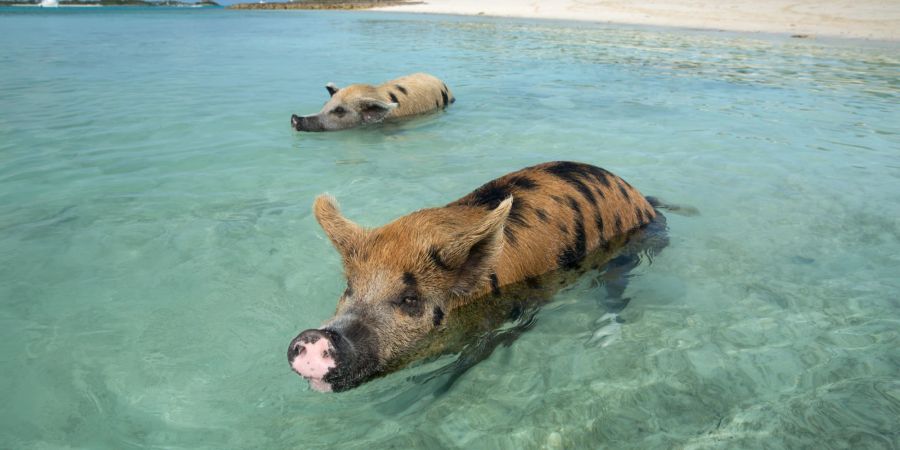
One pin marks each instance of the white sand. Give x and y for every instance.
(869, 19)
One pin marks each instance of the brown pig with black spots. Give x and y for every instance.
(364, 104)
(406, 279)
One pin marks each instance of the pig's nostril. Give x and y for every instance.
(295, 350)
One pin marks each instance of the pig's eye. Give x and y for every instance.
(410, 304)
(339, 111)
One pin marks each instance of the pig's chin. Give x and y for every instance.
(317, 384)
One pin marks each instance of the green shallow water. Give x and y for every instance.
(157, 250)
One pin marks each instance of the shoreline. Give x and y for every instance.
(861, 19)
(323, 4)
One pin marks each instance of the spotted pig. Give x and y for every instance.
(407, 278)
(363, 104)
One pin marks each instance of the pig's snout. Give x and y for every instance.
(336, 357)
(306, 123)
(312, 355)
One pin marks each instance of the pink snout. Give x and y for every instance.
(310, 355)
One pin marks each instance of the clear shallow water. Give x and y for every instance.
(157, 251)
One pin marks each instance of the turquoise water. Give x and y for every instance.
(157, 250)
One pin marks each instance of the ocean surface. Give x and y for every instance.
(158, 252)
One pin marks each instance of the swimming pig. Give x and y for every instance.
(408, 279)
(362, 104)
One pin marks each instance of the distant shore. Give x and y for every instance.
(99, 3)
(324, 4)
(866, 19)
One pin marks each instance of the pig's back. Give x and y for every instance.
(561, 212)
(418, 93)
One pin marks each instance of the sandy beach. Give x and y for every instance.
(867, 19)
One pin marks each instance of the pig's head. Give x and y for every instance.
(352, 106)
(402, 279)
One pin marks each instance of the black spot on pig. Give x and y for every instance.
(569, 257)
(624, 192)
(574, 174)
(522, 182)
(409, 279)
(438, 316)
(598, 222)
(495, 285)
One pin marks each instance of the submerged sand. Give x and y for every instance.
(868, 19)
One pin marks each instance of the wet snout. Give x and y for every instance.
(306, 123)
(312, 355)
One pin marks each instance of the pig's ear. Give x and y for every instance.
(476, 250)
(344, 234)
(332, 89)
(373, 110)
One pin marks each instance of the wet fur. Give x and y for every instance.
(473, 326)
(586, 208)
(415, 94)
(593, 205)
